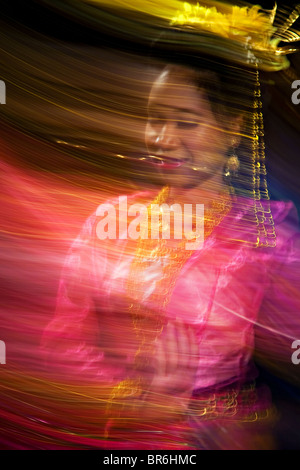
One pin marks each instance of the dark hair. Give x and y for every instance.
(226, 82)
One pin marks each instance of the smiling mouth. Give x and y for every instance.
(165, 162)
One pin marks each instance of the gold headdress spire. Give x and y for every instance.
(240, 23)
(250, 27)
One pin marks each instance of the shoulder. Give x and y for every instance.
(284, 212)
(111, 218)
(287, 234)
(286, 222)
(120, 201)
(264, 224)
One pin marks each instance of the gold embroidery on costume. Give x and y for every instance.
(149, 317)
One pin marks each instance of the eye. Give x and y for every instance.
(185, 124)
(154, 117)
(154, 121)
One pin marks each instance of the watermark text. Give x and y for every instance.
(296, 94)
(138, 221)
(2, 92)
(2, 353)
(296, 354)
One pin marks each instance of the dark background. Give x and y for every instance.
(30, 133)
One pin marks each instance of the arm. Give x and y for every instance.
(70, 341)
(163, 395)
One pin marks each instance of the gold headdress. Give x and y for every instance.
(253, 37)
(222, 27)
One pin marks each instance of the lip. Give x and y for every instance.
(166, 162)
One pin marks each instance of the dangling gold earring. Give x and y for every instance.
(232, 165)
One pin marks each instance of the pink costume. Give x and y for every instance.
(228, 291)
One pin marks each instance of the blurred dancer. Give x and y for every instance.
(171, 329)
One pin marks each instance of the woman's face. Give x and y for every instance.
(182, 133)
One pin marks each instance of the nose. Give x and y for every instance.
(165, 138)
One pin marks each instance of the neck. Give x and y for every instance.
(200, 194)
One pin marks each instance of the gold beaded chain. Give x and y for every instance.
(148, 322)
(266, 229)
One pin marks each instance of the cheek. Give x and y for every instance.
(207, 145)
(213, 140)
(195, 141)
(149, 135)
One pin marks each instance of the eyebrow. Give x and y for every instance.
(155, 107)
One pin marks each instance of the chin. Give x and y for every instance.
(184, 182)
